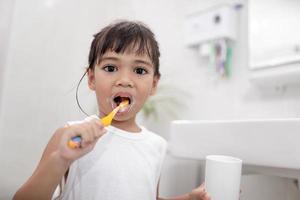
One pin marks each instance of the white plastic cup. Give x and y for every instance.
(223, 177)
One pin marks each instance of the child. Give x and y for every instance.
(122, 161)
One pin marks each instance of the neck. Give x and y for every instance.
(127, 125)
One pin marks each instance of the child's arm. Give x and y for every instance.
(48, 174)
(57, 158)
(198, 193)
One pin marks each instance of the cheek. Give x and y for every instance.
(145, 93)
(103, 91)
(150, 88)
(102, 85)
(150, 92)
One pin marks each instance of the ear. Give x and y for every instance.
(91, 79)
(154, 85)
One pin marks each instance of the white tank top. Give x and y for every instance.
(122, 166)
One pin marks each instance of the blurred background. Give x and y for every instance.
(44, 51)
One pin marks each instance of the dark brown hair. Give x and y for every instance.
(125, 36)
(119, 37)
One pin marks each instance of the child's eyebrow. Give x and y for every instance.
(138, 61)
(109, 58)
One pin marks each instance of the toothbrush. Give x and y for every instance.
(106, 121)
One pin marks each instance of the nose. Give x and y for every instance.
(124, 80)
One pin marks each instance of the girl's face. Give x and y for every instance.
(123, 76)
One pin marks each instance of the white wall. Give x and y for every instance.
(48, 51)
(6, 11)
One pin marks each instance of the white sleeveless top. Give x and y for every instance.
(122, 166)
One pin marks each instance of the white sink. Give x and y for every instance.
(270, 143)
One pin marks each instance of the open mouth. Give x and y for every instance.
(119, 99)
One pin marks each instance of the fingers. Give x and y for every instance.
(200, 193)
(89, 130)
(89, 147)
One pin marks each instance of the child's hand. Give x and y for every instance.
(90, 131)
(199, 193)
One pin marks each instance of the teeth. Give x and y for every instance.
(122, 109)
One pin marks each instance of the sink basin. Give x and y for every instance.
(263, 142)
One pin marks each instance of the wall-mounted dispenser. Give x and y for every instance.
(212, 32)
(218, 22)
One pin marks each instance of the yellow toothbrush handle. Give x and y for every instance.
(75, 141)
(106, 121)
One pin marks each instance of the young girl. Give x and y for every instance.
(122, 161)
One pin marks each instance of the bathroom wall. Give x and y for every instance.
(6, 11)
(47, 53)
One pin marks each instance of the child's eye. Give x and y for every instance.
(110, 68)
(140, 71)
